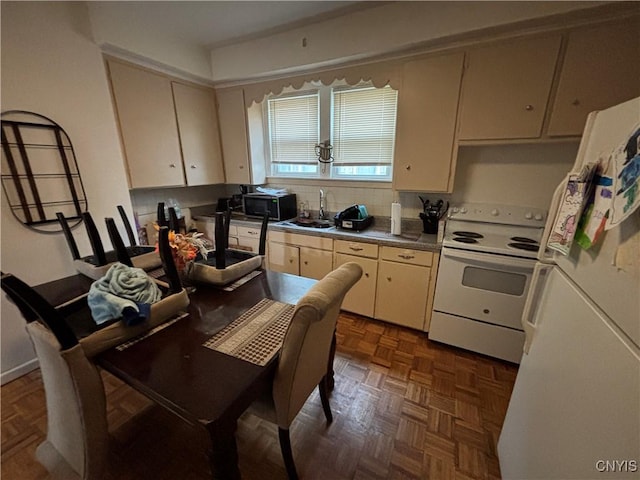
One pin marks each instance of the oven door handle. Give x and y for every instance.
(488, 259)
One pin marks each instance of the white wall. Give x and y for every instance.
(390, 27)
(128, 26)
(50, 66)
(524, 175)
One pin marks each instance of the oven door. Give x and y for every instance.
(482, 286)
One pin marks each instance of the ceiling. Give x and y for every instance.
(211, 24)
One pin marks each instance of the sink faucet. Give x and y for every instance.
(321, 210)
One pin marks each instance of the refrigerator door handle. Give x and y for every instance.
(538, 281)
(544, 255)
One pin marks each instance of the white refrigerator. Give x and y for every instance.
(575, 408)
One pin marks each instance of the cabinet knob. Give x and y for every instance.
(575, 103)
(241, 167)
(366, 275)
(306, 263)
(172, 165)
(291, 260)
(528, 108)
(193, 166)
(388, 279)
(407, 167)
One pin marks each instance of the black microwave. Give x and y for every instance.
(280, 207)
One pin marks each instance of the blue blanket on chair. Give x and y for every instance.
(123, 292)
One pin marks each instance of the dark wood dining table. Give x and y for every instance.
(200, 385)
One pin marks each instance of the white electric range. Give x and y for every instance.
(486, 264)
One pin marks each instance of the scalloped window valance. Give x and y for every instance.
(379, 74)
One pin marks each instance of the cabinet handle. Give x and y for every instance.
(366, 275)
(356, 249)
(291, 260)
(575, 103)
(528, 108)
(193, 166)
(406, 256)
(241, 167)
(306, 263)
(251, 232)
(388, 279)
(407, 167)
(172, 165)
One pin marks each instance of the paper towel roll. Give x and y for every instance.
(396, 218)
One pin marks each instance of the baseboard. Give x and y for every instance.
(18, 371)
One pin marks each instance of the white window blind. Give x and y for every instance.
(364, 126)
(294, 129)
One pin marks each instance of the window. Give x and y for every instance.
(293, 127)
(359, 122)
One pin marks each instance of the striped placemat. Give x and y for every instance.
(257, 335)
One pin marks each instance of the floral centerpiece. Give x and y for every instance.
(185, 248)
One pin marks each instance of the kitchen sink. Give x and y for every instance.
(308, 223)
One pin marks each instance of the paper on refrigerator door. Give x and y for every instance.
(625, 160)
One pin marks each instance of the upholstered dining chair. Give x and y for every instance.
(304, 356)
(77, 435)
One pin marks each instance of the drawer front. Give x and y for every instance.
(405, 255)
(247, 232)
(321, 243)
(368, 250)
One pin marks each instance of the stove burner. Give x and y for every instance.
(465, 239)
(523, 240)
(468, 235)
(524, 246)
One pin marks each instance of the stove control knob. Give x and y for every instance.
(463, 210)
(538, 217)
(528, 215)
(495, 212)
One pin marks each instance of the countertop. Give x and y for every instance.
(411, 238)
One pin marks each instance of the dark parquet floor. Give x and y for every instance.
(404, 408)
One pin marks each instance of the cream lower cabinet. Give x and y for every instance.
(284, 258)
(248, 237)
(403, 287)
(361, 298)
(303, 255)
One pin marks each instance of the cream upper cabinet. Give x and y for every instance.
(425, 149)
(148, 127)
(199, 136)
(506, 89)
(601, 68)
(233, 132)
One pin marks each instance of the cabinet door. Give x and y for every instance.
(401, 293)
(233, 132)
(361, 298)
(315, 263)
(145, 110)
(601, 69)
(249, 237)
(284, 258)
(506, 88)
(199, 136)
(427, 104)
